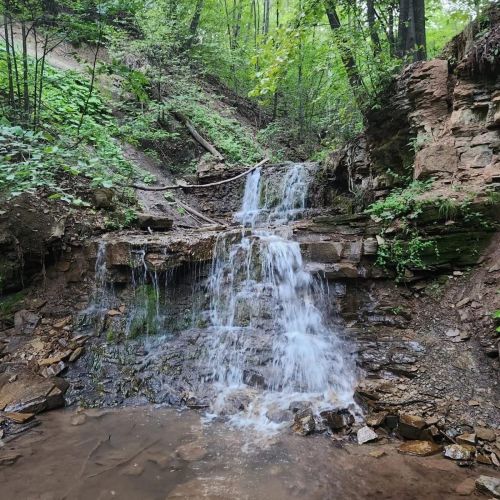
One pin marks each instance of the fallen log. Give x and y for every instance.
(197, 136)
(200, 186)
(192, 211)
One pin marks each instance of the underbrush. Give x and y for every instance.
(407, 219)
(151, 122)
(76, 135)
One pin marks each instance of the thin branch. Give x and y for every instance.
(200, 186)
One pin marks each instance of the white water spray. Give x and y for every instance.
(264, 312)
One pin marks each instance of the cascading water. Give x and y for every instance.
(143, 311)
(264, 314)
(103, 295)
(260, 348)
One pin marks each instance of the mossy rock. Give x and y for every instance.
(457, 249)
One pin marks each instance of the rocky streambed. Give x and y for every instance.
(152, 453)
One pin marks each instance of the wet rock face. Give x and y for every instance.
(161, 252)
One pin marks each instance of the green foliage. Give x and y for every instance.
(496, 316)
(465, 210)
(111, 336)
(404, 251)
(69, 144)
(142, 128)
(225, 133)
(145, 320)
(10, 303)
(404, 209)
(448, 208)
(404, 254)
(401, 202)
(122, 218)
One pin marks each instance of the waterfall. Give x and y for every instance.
(145, 314)
(251, 197)
(266, 313)
(144, 311)
(102, 297)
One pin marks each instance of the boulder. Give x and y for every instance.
(376, 419)
(485, 434)
(483, 459)
(154, 222)
(466, 438)
(419, 448)
(304, 423)
(25, 322)
(18, 418)
(337, 419)
(366, 435)
(103, 198)
(411, 426)
(76, 354)
(53, 370)
(488, 485)
(31, 393)
(55, 358)
(458, 452)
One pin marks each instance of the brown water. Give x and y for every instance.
(147, 453)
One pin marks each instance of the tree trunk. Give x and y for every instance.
(8, 56)
(14, 59)
(370, 16)
(92, 79)
(411, 30)
(195, 22)
(345, 51)
(26, 95)
(390, 32)
(197, 136)
(35, 79)
(267, 12)
(40, 91)
(238, 12)
(420, 38)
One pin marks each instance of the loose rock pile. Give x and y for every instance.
(34, 353)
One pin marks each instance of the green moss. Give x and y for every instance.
(10, 303)
(111, 335)
(145, 320)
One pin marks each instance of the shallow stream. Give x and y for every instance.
(158, 454)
